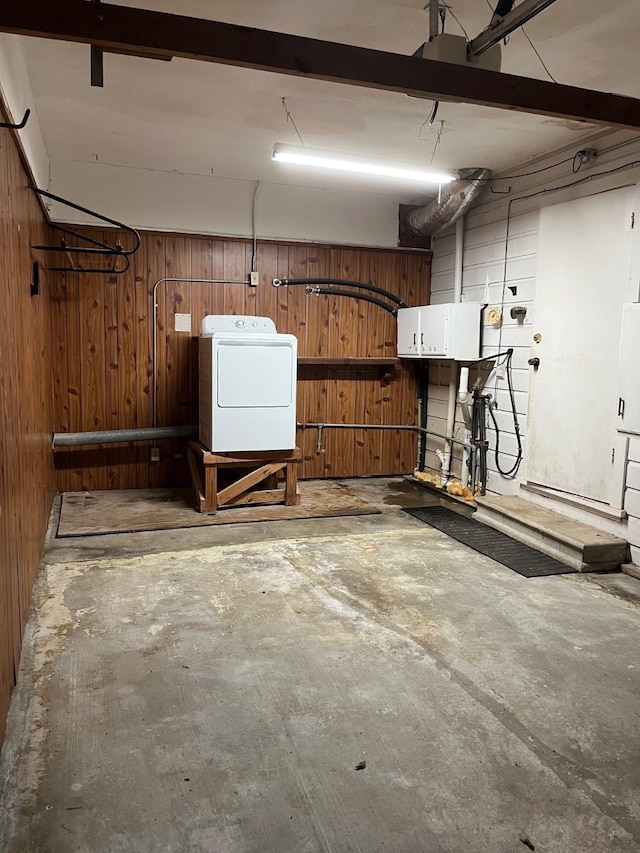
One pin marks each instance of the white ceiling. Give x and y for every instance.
(204, 119)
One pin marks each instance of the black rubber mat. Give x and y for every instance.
(492, 543)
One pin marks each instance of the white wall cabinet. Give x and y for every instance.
(440, 331)
(628, 419)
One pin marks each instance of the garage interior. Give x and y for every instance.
(320, 494)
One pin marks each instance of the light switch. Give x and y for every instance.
(182, 323)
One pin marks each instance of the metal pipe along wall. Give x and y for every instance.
(118, 436)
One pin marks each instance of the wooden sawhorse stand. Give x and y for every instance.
(242, 491)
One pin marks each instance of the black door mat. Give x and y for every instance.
(492, 543)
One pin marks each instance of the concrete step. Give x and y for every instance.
(578, 545)
(631, 569)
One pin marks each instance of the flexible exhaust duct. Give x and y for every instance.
(454, 201)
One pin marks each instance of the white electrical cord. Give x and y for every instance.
(254, 226)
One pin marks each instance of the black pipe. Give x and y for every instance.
(479, 440)
(422, 369)
(484, 446)
(330, 291)
(342, 281)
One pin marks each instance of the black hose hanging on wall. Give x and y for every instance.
(511, 472)
(285, 282)
(332, 291)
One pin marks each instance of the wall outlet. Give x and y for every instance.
(155, 454)
(254, 278)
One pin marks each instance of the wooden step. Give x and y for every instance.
(578, 545)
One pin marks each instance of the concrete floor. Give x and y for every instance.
(214, 690)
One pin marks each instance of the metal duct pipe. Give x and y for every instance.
(401, 427)
(118, 436)
(455, 199)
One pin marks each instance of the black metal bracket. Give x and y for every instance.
(25, 119)
(34, 287)
(94, 247)
(97, 64)
(97, 67)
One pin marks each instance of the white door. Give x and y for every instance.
(628, 382)
(582, 282)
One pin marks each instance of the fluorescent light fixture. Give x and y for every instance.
(348, 163)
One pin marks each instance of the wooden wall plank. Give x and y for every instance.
(157, 272)
(391, 410)
(325, 327)
(113, 376)
(297, 299)
(314, 380)
(179, 368)
(318, 265)
(217, 266)
(251, 292)
(282, 293)
(12, 542)
(92, 372)
(60, 367)
(201, 305)
(125, 291)
(266, 294)
(27, 345)
(143, 284)
(235, 295)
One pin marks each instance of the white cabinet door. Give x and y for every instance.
(408, 332)
(435, 330)
(629, 375)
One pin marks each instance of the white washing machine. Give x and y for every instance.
(247, 379)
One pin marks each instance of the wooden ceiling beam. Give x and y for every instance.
(120, 28)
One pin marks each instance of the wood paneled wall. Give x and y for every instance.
(102, 342)
(26, 418)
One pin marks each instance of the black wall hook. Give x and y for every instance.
(22, 124)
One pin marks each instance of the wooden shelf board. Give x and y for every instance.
(349, 362)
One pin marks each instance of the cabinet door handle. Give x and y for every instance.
(421, 337)
(414, 338)
(620, 407)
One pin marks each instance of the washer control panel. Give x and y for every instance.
(214, 323)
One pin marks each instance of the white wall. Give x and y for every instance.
(484, 255)
(170, 201)
(149, 199)
(17, 95)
